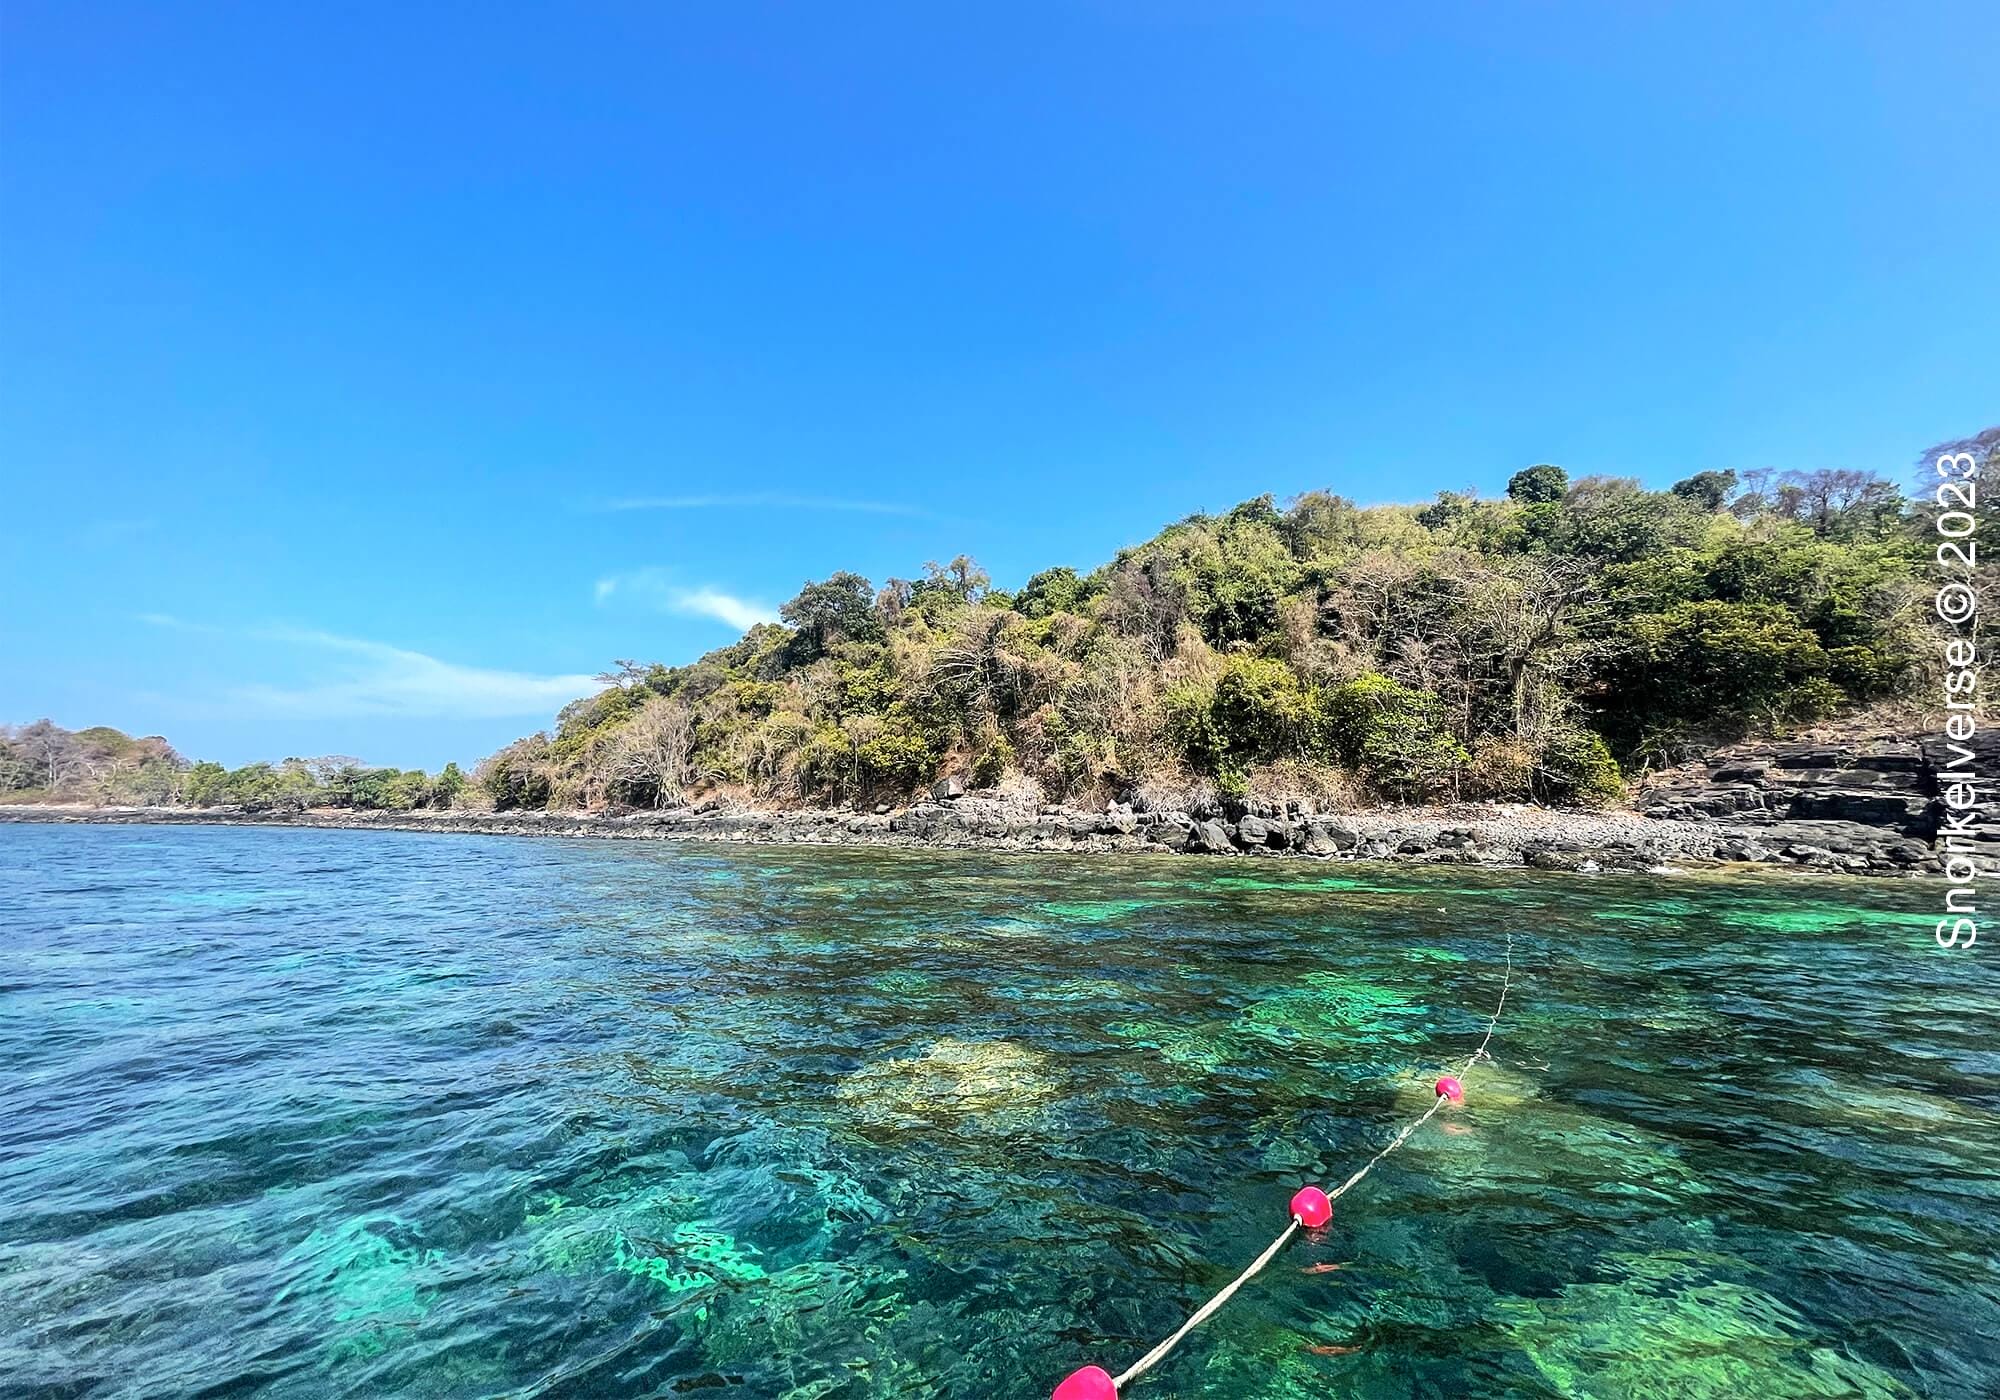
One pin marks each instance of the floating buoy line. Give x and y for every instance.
(1311, 1208)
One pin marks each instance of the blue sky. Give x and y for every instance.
(372, 375)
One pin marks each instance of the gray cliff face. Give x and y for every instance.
(1871, 802)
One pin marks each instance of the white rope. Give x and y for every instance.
(1159, 1353)
(1208, 1309)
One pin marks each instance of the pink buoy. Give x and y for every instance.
(1312, 1207)
(1091, 1383)
(1449, 1088)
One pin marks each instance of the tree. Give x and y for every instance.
(961, 577)
(840, 608)
(446, 791)
(624, 673)
(1320, 524)
(1706, 489)
(1395, 735)
(1050, 591)
(653, 760)
(520, 775)
(1449, 506)
(1721, 666)
(51, 753)
(1538, 485)
(1838, 503)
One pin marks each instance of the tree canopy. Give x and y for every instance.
(1539, 646)
(1523, 647)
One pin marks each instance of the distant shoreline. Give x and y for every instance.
(1498, 836)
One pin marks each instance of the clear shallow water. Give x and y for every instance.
(301, 1113)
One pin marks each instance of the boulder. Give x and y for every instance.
(1210, 836)
(1329, 838)
(947, 788)
(1253, 831)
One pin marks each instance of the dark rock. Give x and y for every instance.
(1253, 831)
(1742, 850)
(947, 788)
(1867, 808)
(1741, 773)
(1321, 841)
(1210, 836)
(1798, 756)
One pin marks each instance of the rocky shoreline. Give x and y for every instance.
(948, 819)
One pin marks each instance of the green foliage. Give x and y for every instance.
(1507, 648)
(1322, 528)
(1707, 489)
(520, 775)
(993, 762)
(1395, 735)
(1550, 633)
(1228, 577)
(1256, 711)
(1575, 766)
(448, 788)
(378, 789)
(894, 751)
(1050, 591)
(1714, 662)
(1448, 507)
(1263, 712)
(1539, 485)
(842, 608)
(203, 784)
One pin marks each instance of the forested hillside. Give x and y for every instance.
(43, 762)
(1525, 647)
(1548, 645)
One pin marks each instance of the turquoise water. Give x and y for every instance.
(299, 1113)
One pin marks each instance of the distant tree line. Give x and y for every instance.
(45, 762)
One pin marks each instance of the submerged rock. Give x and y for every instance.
(953, 1079)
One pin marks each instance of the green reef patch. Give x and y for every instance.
(952, 1081)
(1325, 1012)
(1657, 1332)
(691, 1257)
(1334, 1010)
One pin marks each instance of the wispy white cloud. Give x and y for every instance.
(376, 678)
(652, 588)
(359, 677)
(763, 500)
(713, 602)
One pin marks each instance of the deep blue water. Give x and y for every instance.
(300, 1113)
